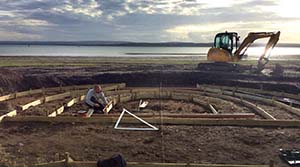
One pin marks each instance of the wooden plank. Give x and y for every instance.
(29, 92)
(76, 100)
(82, 97)
(31, 104)
(111, 93)
(214, 111)
(52, 164)
(112, 87)
(252, 90)
(199, 102)
(179, 96)
(49, 98)
(53, 114)
(68, 88)
(108, 107)
(293, 110)
(257, 109)
(115, 100)
(189, 96)
(60, 110)
(57, 96)
(74, 87)
(142, 164)
(9, 114)
(145, 95)
(167, 121)
(260, 99)
(144, 90)
(57, 112)
(152, 164)
(108, 89)
(73, 101)
(216, 94)
(216, 116)
(7, 97)
(125, 98)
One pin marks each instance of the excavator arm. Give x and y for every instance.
(252, 36)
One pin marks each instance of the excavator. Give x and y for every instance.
(226, 48)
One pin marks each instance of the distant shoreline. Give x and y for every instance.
(139, 53)
(126, 44)
(107, 43)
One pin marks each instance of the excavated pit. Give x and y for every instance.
(34, 142)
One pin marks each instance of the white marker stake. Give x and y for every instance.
(128, 128)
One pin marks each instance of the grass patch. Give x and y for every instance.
(41, 61)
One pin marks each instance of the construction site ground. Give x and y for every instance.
(35, 142)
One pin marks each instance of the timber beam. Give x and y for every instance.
(157, 120)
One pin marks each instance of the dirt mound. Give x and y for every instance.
(5, 107)
(24, 78)
(9, 79)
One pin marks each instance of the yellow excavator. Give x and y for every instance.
(226, 48)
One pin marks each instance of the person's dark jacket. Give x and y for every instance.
(116, 160)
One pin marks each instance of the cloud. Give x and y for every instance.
(88, 8)
(144, 20)
(26, 22)
(11, 35)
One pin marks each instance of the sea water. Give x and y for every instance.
(279, 53)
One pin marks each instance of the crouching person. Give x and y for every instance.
(96, 99)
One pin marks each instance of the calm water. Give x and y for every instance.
(280, 53)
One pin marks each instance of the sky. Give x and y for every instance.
(145, 20)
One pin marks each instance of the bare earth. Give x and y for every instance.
(32, 143)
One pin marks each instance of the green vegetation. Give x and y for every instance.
(34, 61)
(10, 61)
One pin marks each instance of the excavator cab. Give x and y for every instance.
(227, 41)
(225, 44)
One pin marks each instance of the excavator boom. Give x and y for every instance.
(252, 36)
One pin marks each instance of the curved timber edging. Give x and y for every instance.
(106, 87)
(66, 94)
(68, 161)
(167, 121)
(9, 114)
(140, 164)
(272, 102)
(200, 98)
(190, 95)
(252, 90)
(43, 90)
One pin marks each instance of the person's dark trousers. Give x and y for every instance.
(96, 109)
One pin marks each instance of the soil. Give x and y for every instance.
(154, 106)
(32, 143)
(279, 113)
(45, 109)
(145, 74)
(166, 106)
